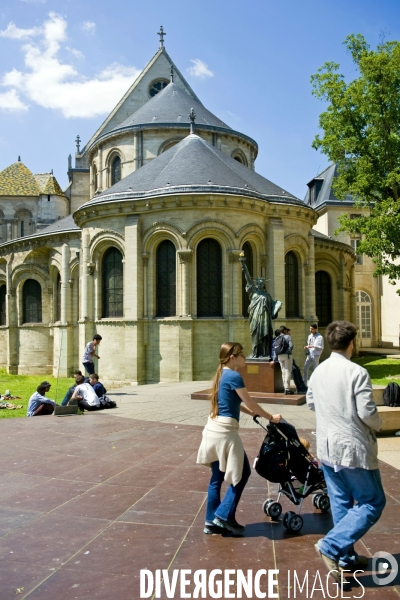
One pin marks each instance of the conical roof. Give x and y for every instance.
(18, 180)
(194, 165)
(171, 106)
(48, 184)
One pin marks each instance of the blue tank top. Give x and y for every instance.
(228, 400)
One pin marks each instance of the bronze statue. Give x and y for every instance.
(262, 310)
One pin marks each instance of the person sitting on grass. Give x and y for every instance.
(86, 396)
(97, 385)
(68, 395)
(38, 403)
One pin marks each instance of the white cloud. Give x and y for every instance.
(77, 53)
(34, 1)
(54, 84)
(89, 26)
(11, 101)
(199, 69)
(14, 33)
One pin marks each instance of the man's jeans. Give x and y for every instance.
(311, 361)
(68, 396)
(351, 521)
(226, 509)
(286, 362)
(89, 367)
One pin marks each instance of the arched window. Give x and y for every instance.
(94, 172)
(3, 307)
(209, 279)
(57, 315)
(292, 285)
(113, 285)
(166, 279)
(24, 223)
(248, 253)
(364, 306)
(32, 301)
(116, 170)
(323, 298)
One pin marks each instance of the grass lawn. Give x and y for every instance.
(381, 370)
(25, 385)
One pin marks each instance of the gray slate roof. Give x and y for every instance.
(171, 106)
(194, 165)
(65, 224)
(326, 194)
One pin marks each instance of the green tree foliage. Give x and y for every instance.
(361, 133)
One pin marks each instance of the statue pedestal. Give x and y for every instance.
(262, 376)
(263, 381)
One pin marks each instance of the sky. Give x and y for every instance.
(64, 65)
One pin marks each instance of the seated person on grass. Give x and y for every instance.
(86, 396)
(71, 390)
(38, 403)
(97, 385)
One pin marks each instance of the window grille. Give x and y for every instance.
(292, 285)
(113, 284)
(32, 301)
(323, 298)
(248, 253)
(166, 279)
(209, 279)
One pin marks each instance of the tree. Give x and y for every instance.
(361, 133)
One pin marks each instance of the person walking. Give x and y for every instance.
(340, 392)
(221, 447)
(314, 349)
(283, 348)
(90, 353)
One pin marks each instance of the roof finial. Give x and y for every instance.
(51, 172)
(192, 117)
(19, 159)
(161, 33)
(78, 143)
(172, 73)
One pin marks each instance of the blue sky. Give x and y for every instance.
(65, 64)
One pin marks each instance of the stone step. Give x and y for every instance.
(390, 416)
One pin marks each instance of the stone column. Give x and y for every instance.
(100, 169)
(145, 261)
(9, 231)
(342, 287)
(235, 283)
(308, 299)
(135, 151)
(12, 322)
(353, 298)
(65, 285)
(276, 285)
(185, 257)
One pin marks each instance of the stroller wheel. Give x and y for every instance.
(275, 510)
(316, 499)
(324, 503)
(266, 505)
(286, 517)
(294, 523)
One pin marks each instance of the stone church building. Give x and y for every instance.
(143, 245)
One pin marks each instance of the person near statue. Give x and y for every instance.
(262, 310)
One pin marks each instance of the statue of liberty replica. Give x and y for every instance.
(262, 310)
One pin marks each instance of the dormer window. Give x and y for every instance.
(157, 86)
(314, 189)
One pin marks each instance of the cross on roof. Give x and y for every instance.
(161, 33)
(78, 142)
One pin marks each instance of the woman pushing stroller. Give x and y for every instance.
(221, 447)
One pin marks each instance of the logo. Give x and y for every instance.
(384, 567)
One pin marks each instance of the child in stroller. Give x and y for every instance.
(285, 460)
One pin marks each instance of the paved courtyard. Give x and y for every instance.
(88, 501)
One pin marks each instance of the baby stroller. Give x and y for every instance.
(283, 459)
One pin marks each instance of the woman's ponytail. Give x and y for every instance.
(226, 351)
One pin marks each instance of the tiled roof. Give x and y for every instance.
(17, 180)
(195, 165)
(48, 184)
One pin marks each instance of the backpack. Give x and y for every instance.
(391, 395)
(105, 402)
(281, 345)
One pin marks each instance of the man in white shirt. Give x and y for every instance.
(315, 346)
(86, 396)
(340, 392)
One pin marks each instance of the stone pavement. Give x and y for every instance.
(88, 501)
